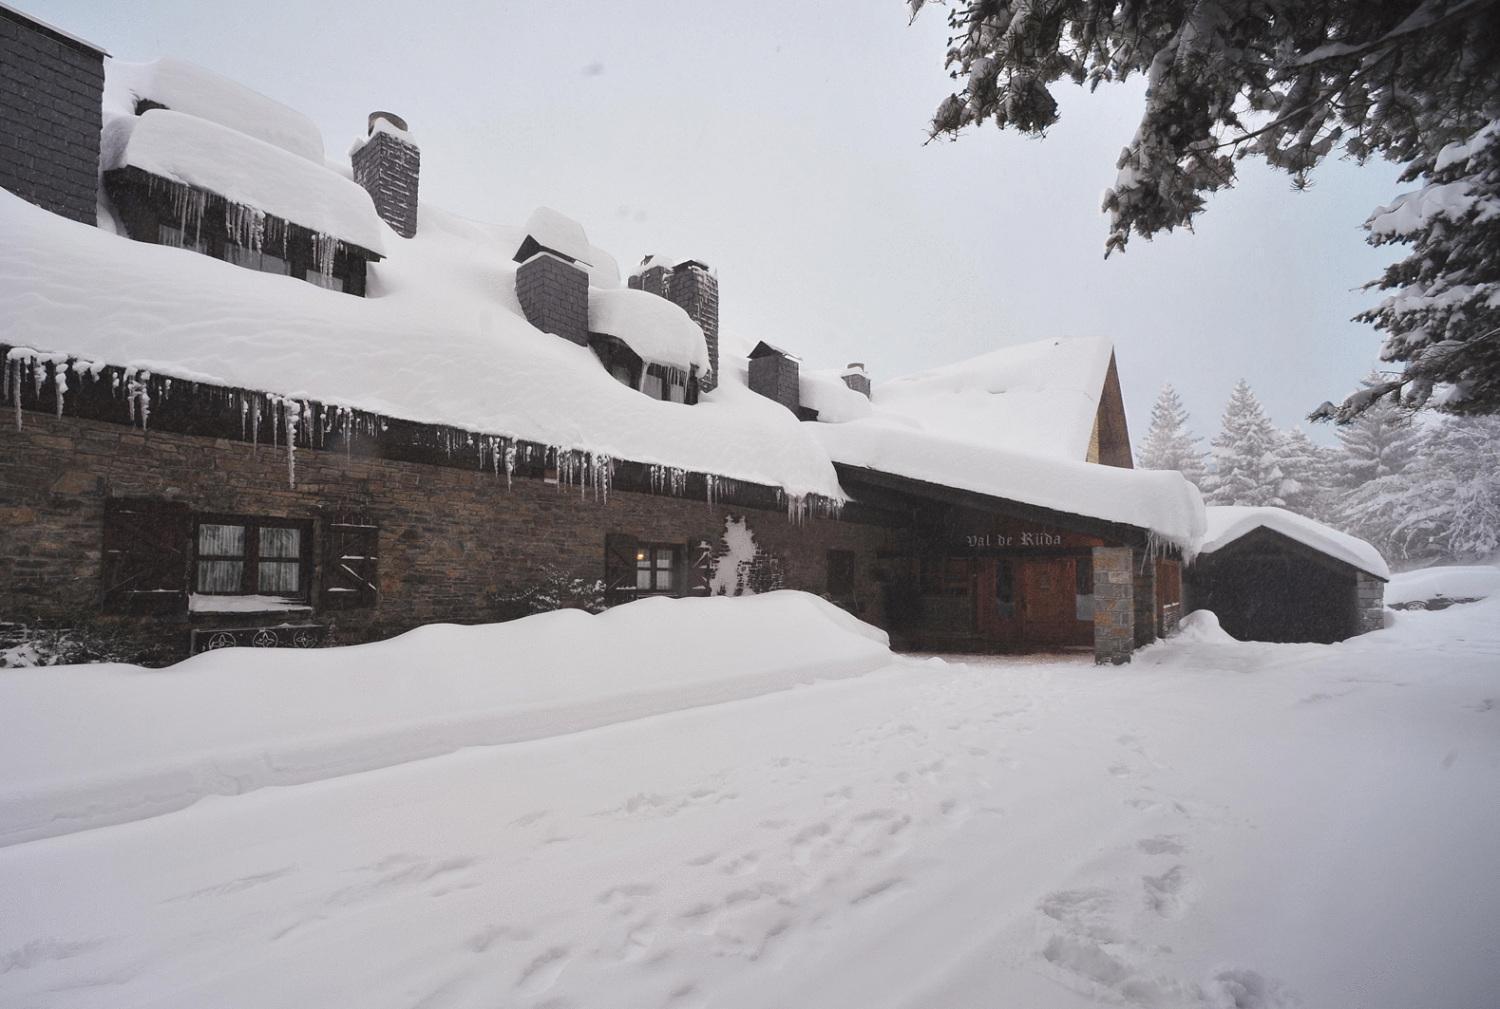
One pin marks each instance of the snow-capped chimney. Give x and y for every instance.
(856, 379)
(654, 276)
(777, 375)
(554, 294)
(387, 163)
(693, 287)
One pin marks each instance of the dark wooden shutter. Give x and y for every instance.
(351, 561)
(619, 568)
(699, 555)
(147, 555)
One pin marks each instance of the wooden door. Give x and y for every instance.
(998, 616)
(1049, 609)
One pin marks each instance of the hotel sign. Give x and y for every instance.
(1002, 541)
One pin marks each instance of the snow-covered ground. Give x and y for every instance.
(1218, 824)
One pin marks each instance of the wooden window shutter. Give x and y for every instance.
(619, 568)
(147, 553)
(699, 559)
(351, 561)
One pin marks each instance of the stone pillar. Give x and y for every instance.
(856, 379)
(1114, 605)
(387, 165)
(554, 294)
(693, 288)
(1370, 595)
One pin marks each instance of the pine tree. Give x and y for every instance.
(1290, 82)
(1454, 497)
(1305, 474)
(1381, 441)
(1169, 444)
(1245, 465)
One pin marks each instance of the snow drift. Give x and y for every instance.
(87, 746)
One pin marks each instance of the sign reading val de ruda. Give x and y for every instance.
(1023, 536)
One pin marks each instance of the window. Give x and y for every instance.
(256, 259)
(945, 576)
(329, 282)
(1005, 590)
(652, 385)
(655, 568)
(661, 382)
(178, 239)
(235, 556)
(1083, 600)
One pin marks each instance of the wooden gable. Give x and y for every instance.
(1109, 445)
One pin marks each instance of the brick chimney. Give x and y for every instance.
(554, 294)
(653, 276)
(856, 379)
(387, 164)
(693, 287)
(775, 374)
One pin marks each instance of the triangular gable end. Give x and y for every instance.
(1109, 444)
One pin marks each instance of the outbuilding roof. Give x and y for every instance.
(1226, 524)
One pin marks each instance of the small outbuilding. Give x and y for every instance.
(1272, 575)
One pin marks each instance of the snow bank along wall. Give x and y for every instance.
(51, 86)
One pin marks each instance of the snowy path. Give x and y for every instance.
(1218, 824)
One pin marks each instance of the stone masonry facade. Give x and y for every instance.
(1370, 600)
(389, 168)
(51, 88)
(555, 297)
(695, 290)
(1114, 605)
(451, 540)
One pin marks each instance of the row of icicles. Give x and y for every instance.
(289, 420)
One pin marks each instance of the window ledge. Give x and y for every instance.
(200, 603)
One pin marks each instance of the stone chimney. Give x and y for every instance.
(693, 287)
(856, 379)
(775, 374)
(554, 294)
(654, 276)
(387, 164)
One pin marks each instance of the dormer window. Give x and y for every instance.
(179, 239)
(256, 259)
(329, 281)
(667, 384)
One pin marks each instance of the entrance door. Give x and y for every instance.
(1049, 609)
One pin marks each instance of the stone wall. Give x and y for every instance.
(51, 88)
(450, 540)
(555, 297)
(1114, 605)
(695, 290)
(1370, 602)
(389, 169)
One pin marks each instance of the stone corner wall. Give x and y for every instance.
(389, 169)
(1114, 605)
(51, 92)
(696, 292)
(1369, 603)
(555, 297)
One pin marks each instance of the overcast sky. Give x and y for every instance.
(781, 142)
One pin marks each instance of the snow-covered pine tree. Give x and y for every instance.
(1446, 505)
(1245, 469)
(1169, 444)
(1305, 473)
(1443, 322)
(1381, 441)
(1289, 82)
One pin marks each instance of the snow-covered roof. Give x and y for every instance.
(1162, 502)
(655, 328)
(185, 87)
(1227, 523)
(556, 232)
(1039, 398)
(440, 340)
(241, 169)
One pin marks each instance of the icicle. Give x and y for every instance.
(60, 382)
(254, 423)
(324, 248)
(510, 465)
(292, 412)
(13, 371)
